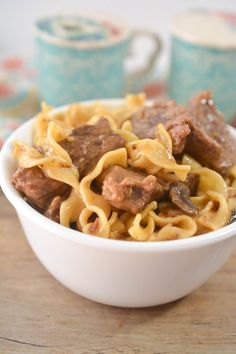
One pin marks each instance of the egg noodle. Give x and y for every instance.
(215, 197)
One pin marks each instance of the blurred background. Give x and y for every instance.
(17, 18)
(18, 85)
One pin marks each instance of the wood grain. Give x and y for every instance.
(38, 315)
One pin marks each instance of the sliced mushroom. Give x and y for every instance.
(179, 194)
(233, 216)
(192, 181)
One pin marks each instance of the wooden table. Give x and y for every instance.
(38, 315)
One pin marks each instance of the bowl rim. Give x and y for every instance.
(24, 209)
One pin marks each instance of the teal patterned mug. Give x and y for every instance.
(82, 57)
(204, 57)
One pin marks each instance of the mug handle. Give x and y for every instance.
(143, 72)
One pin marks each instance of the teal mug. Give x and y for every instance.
(203, 56)
(82, 58)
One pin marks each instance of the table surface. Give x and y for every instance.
(39, 315)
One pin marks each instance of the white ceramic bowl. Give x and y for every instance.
(120, 273)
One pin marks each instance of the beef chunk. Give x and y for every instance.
(88, 143)
(199, 130)
(209, 142)
(175, 119)
(38, 189)
(130, 190)
(178, 130)
(179, 194)
(53, 210)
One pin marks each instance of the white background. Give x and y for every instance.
(17, 18)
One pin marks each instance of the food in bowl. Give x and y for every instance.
(138, 172)
(128, 274)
